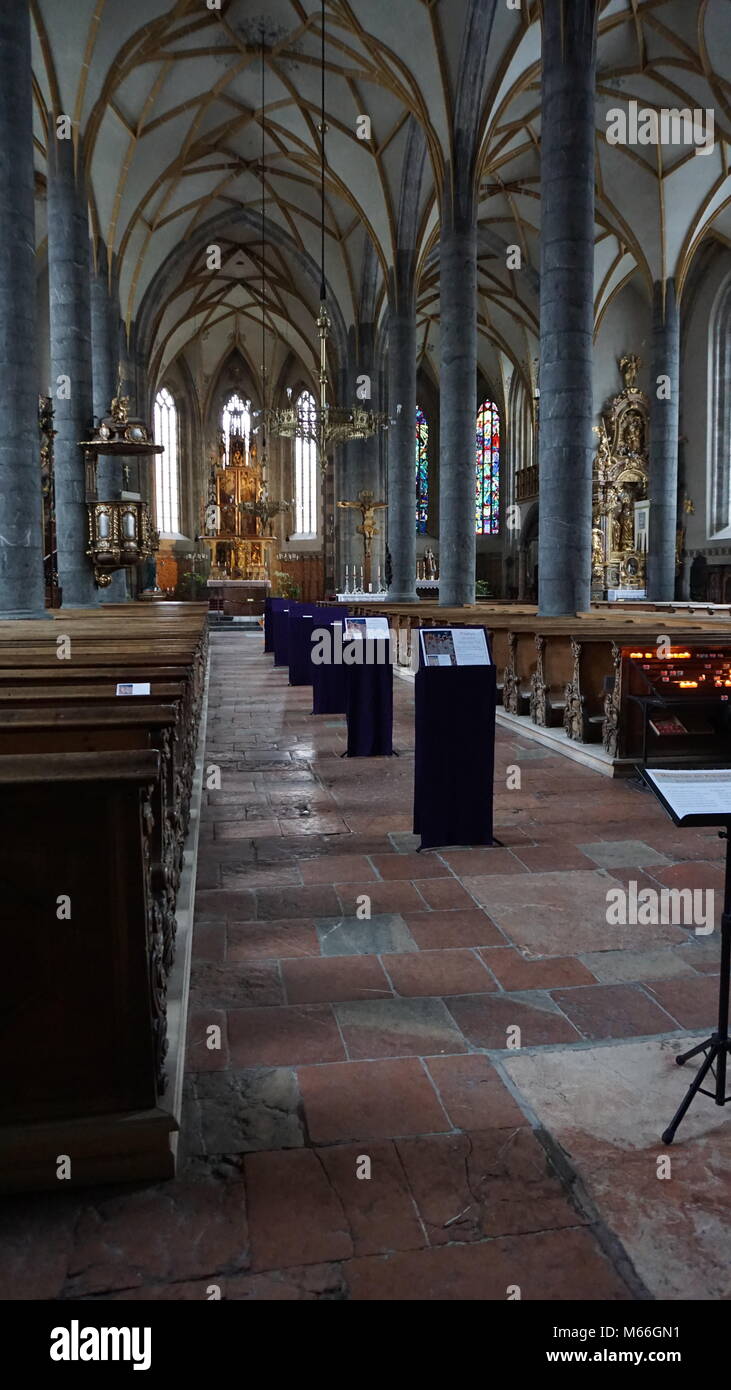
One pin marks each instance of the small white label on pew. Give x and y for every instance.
(134, 688)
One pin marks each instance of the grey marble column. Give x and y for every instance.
(458, 413)
(68, 273)
(402, 447)
(567, 305)
(664, 407)
(21, 532)
(105, 373)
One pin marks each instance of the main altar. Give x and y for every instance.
(620, 506)
(236, 514)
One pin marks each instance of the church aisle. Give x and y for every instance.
(351, 1044)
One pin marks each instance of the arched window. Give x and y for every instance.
(167, 464)
(236, 424)
(719, 454)
(305, 468)
(487, 493)
(422, 471)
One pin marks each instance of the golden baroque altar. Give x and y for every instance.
(620, 506)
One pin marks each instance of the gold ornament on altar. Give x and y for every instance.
(620, 487)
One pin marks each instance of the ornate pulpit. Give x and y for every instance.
(620, 508)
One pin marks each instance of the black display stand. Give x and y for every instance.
(454, 758)
(301, 624)
(328, 680)
(369, 703)
(268, 622)
(280, 632)
(717, 1047)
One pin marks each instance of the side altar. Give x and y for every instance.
(620, 506)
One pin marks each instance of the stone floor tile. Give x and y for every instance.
(397, 1028)
(235, 985)
(304, 1285)
(611, 854)
(242, 1112)
(482, 861)
(561, 913)
(370, 1100)
(202, 1053)
(349, 936)
(618, 967)
(314, 900)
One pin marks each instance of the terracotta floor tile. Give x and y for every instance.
(428, 865)
(283, 1037)
(206, 1050)
(488, 1020)
(396, 896)
(613, 1011)
(235, 985)
(271, 940)
(333, 978)
(295, 1217)
(437, 972)
(483, 861)
(370, 1100)
(379, 1209)
(514, 972)
(486, 1183)
(444, 895)
(473, 1094)
(693, 1003)
(549, 1266)
(341, 868)
(314, 900)
(434, 930)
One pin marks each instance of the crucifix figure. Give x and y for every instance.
(367, 506)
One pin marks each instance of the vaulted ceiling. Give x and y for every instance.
(166, 103)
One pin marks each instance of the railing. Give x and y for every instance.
(526, 483)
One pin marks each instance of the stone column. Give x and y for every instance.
(21, 532)
(68, 272)
(458, 413)
(105, 372)
(567, 305)
(401, 445)
(664, 404)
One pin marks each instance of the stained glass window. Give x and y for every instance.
(422, 471)
(167, 465)
(487, 491)
(305, 470)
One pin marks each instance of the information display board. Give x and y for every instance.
(454, 646)
(455, 700)
(370, 628)
(700, 797)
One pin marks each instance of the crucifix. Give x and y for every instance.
(367, 507)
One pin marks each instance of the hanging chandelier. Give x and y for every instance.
(326, 426)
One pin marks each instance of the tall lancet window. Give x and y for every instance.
(167, 464)
(487, 491)
(305, 468)
(236, 425)
(422, 471)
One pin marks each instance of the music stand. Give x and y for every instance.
(695, 798)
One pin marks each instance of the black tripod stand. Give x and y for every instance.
(718, 1046)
